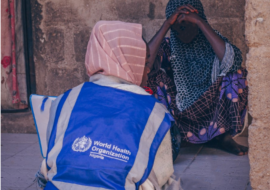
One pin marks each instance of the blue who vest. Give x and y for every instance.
(103, 138)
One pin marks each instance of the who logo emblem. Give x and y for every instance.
(81, 144)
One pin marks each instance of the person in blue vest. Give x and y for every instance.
(107, 133)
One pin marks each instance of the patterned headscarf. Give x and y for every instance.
(192, 63)
(116, 48)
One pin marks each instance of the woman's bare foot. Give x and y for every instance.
(226, 141)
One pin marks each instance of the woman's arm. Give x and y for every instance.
(216, 42)
(155, 42)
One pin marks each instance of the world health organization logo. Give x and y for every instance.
(81, 144)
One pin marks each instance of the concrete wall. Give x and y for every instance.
(258, 65)
(61, 30)
(227, 16)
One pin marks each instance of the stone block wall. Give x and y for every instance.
(227, 16)
(258, 65)
(61, 30)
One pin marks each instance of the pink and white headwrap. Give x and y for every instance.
(116, 48)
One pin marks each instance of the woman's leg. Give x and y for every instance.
(226, 142)
(217, 114)
(234, 88)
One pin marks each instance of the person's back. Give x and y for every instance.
(106, 133)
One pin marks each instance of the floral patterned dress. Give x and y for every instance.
(220, 109)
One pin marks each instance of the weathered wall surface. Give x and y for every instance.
(227, 16)
(61, 30)
(258, 65)
(17, 123)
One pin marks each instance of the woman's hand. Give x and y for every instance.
(182, 10)
(155, 42)
(216, 42)
(192, 18)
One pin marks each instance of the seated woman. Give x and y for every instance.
(109, 133)
(197, 74)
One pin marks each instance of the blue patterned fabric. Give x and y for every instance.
(192, 63)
